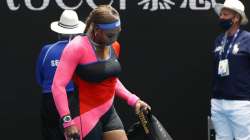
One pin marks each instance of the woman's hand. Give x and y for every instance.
(72, 133)
(141, 105)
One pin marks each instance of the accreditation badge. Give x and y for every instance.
(223, 68)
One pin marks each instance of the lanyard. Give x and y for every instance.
(224, 42)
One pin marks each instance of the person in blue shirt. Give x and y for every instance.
(230, 103)
(67, 27)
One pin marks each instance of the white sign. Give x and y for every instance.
(193, 4)
(149, 5)
(156, 4)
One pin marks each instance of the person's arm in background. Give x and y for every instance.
(39, 65)
(215, 52)
(246, 41)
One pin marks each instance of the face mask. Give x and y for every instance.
(225, 24)
(111, 39)
(106, 39)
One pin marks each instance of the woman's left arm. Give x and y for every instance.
(129, 97)
(124, 94)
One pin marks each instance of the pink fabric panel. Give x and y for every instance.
(126, 95)
(89, 54)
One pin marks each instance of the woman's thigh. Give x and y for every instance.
(115, 135)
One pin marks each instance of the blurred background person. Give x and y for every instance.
(230, 104)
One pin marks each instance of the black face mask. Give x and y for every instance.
(225, 24)
(111, 39)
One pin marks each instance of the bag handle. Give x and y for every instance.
(144, 117)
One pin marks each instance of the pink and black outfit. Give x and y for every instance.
(97, 83)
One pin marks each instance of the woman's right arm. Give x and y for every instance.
(69, 60)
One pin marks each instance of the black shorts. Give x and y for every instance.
(108, 122)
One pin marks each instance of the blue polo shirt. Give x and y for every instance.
(236, 86)
(46, 65)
